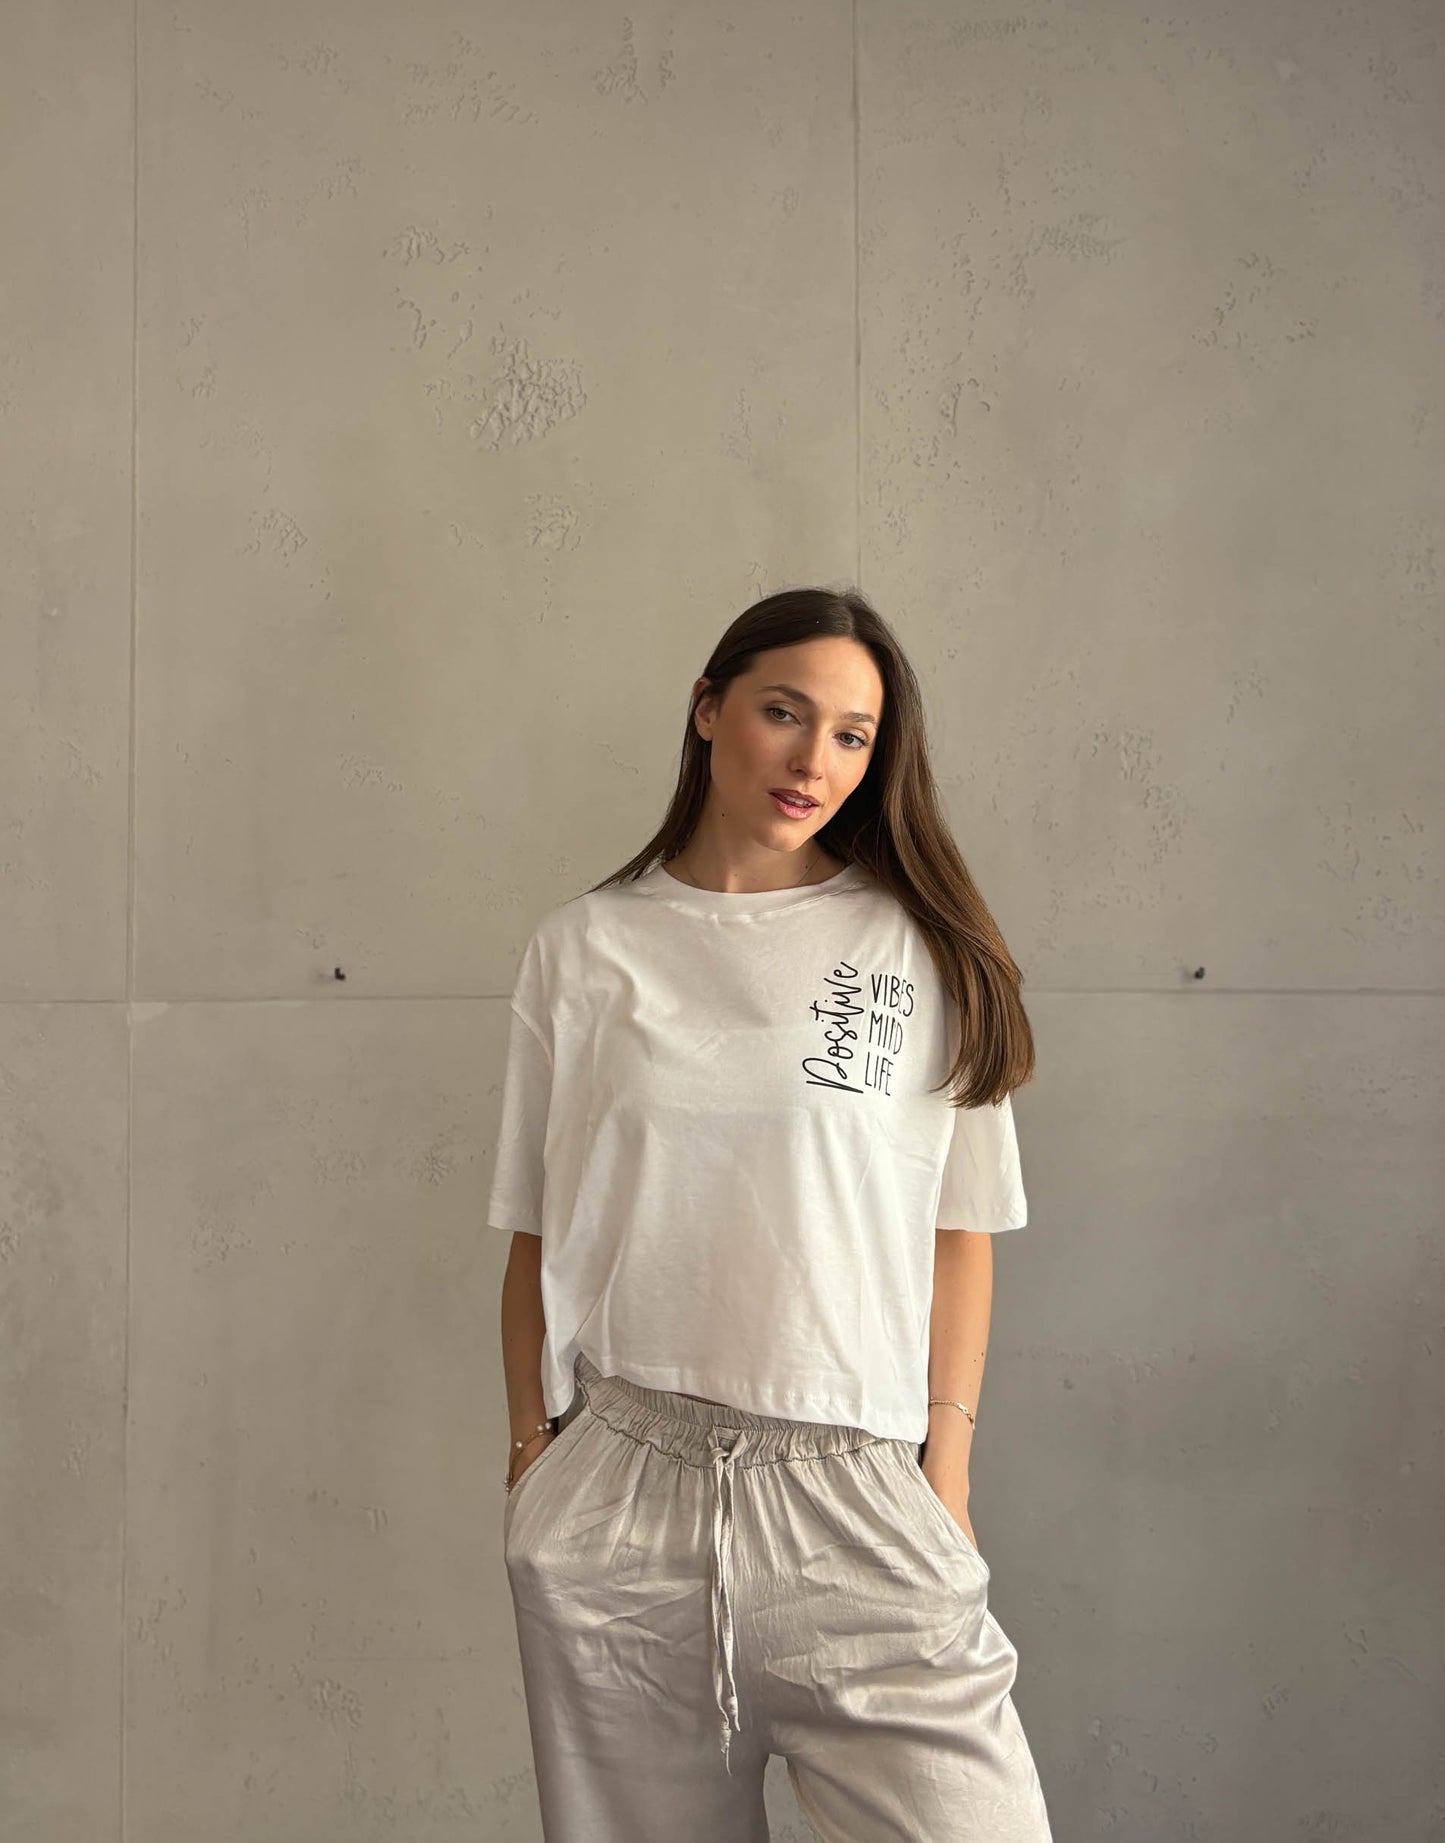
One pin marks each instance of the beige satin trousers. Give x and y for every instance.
(697, 1588)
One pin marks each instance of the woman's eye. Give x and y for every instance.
(862, 741)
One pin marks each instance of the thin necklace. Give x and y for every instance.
(798, 885)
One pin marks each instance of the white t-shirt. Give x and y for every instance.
(717, 1117)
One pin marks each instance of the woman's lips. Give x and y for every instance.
(793, 812)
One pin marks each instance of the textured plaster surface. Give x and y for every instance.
(397, 402)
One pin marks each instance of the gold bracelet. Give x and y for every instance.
(943, 1401)
(517, 1445)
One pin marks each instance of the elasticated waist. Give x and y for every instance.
(678, 1425)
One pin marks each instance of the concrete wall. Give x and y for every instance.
(396, 402)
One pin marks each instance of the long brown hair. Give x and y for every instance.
(891, 825)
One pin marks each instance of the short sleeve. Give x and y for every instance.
(982, 1182)
(516, 1195)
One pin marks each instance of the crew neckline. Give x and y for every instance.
(660, 882)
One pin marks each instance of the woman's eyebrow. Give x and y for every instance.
(849, 716)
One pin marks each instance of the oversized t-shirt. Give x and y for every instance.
(717, 1114)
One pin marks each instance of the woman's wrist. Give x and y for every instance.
(950, 1434)
(541, 1433)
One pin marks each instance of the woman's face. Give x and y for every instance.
(804, 718)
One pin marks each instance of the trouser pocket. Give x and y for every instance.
(922, 1501)
(569, 1425)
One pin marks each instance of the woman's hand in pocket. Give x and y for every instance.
(529, 1456)
(950, 1487)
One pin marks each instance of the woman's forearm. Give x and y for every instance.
(957, 1343)
(523, 1331)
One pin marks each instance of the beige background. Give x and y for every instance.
(396, 403)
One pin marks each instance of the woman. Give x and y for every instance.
(756, 1134)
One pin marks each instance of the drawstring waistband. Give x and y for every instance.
(710, 1433)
